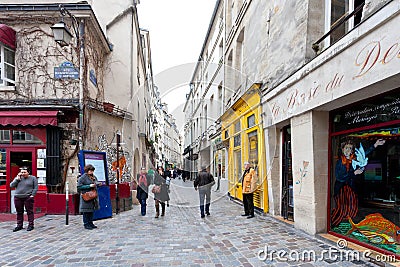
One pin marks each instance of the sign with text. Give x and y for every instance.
(66, 70)
(368, 61)
(99, 162)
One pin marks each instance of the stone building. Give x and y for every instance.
(58, 100)
(326, 74)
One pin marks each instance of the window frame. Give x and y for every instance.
(4, 81)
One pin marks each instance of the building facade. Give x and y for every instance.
(58, 100)
(327, 109)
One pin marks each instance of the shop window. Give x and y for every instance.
(7, 66)
(3, 173)
(365, 186)
(21, 137)
(237, 127)
(4, 136)
(237, 140)
(251, 121)
(253, 148)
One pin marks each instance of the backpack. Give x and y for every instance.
(143, 180)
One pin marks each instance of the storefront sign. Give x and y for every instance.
(369, 61)
(66, 71)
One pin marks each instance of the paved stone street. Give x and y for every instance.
(181, 238)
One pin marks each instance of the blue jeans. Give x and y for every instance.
(204, 195)
(143, 206)
(87, 218)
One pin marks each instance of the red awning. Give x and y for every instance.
(7, 36)
(28, 118)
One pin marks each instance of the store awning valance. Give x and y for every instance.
(28, 118)
(7, 36)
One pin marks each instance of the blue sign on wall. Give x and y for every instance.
(92, 77)
(66, 71)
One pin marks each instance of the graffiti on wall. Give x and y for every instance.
(303, 174)
(124, 161)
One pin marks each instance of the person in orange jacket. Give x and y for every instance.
(249, 185)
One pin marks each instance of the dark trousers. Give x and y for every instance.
(205, 195)
(20, 203)
(143, 205)
(87, 218)
(248, 204)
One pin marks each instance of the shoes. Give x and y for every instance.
(250, 216)
(208, 214)
(203, 216)
(93, 226)
(245, 215)
(17, 228)
(157, 214)
(88, 227)
(30, 228)
(163, 214)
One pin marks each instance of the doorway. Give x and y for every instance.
(287, 175)
(18, 159)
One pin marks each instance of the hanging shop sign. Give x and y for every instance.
(66, 70)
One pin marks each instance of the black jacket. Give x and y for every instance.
(204, 180)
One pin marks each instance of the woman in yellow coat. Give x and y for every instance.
(249, 185)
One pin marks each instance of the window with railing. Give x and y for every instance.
(341, 16)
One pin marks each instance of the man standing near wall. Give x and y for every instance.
(249, 182)
(26, 187)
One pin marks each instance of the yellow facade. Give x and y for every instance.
(242, 134)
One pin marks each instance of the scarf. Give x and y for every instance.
(347, 162)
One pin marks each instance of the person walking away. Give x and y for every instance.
(87, 182)
(249, 183)
(143, 181)
(218, 177)
(203, 183)
(26, 186)
(162, 196)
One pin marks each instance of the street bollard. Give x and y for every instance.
(66, 203)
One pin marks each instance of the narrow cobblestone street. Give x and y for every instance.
(181, 238)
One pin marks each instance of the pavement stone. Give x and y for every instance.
(181, 238)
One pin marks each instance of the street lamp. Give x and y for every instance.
(63, 36)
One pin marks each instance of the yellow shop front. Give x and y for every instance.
(242, 135)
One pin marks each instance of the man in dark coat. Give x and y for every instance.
(203, 182)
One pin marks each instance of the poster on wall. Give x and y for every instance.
(98, 160)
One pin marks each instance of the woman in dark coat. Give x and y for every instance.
(143, 181)
(163, 196)
(86, 183)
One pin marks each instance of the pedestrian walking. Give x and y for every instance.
(26, 186)
(143, 181)
(203, 183)
(88, 182)
(218, 178)
(160, 195)
(249, 183)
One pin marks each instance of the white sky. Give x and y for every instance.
(177, 32)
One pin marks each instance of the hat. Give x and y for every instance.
(246, 163)
(204, 167)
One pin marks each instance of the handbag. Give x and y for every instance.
(156, 189)
(89, 195)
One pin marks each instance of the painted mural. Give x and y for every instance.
(365, 189)
(124, 161)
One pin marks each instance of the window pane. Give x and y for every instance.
(9, 56)
(251, 121)
(9, 72)
(236, 140)
(338, 10)
(237, 127)
(21, 137)
(4, 136)
(253, 149)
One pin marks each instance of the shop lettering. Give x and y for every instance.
(297, 98)
(372, 54)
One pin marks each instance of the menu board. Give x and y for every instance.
(99, 162)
